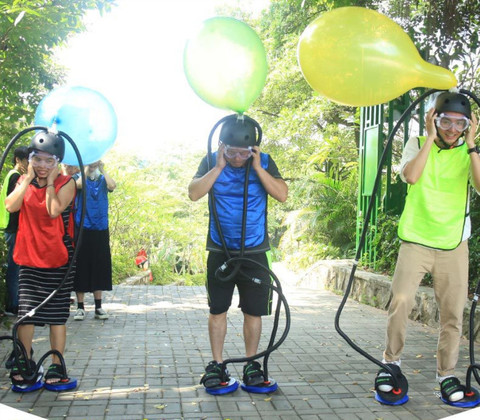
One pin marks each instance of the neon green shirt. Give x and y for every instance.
(4, 214)
(436, 205)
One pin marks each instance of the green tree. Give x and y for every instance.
(445, 31)
(314, 140)
(150, 209)
(29, 32)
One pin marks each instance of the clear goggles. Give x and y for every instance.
(42, 160)
(446, 122)
(240, 152)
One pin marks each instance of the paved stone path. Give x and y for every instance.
(145, 362)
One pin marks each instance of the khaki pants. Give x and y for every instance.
(449, 270)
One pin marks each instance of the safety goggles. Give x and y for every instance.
(446, 122)
(240, 152)
(42, 160)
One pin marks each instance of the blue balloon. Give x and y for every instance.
(85, 115)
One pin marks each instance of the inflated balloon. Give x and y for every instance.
(225, 63)
(85, 115)
(359, 57)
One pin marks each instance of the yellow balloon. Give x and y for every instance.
(359, 57)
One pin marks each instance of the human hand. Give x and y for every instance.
(256, 157)
(101, 166)
(430, 123)
(52, 175)
(30, 173)
(221, 161)
(471, 131)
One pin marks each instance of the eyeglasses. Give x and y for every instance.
(240, 152)
(46, 161)
(446, 122)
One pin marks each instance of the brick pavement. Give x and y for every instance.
(146, 360)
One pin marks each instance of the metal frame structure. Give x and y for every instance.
(391, 193)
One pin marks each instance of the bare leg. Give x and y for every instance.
(25, 335)
(217, 330)
(58, 338)
(97, 294)
(252, 329)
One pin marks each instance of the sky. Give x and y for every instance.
(134, 57)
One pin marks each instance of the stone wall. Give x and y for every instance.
(141, 278)
(374, 290)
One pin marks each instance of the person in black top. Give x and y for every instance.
(10, 220)
(226, 178)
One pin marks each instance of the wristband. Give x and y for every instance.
(473, 149)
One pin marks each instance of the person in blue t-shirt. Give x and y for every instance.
(94, 261)
(225, 178)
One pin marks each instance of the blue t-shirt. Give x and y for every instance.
(96, 211)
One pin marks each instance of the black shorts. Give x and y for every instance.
(255, 299)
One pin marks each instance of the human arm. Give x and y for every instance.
(474, 156)
(111, 184)
(78, 181)
(57, 202)
(14, 200)
(413, 170)
(200, 186)
(276, 187)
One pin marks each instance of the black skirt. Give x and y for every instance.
(94, 262)
(36, 284)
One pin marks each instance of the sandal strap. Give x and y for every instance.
(252, 374)
(450, 386)
(384, 377)
(15, 371)
(55, 371)
(214, 376)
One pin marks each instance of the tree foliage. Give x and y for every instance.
(445, 31)
(150, 209)
(29, 32)
(315, 141)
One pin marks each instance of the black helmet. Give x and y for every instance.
(453, 102)
(240, 131)
(49, 143)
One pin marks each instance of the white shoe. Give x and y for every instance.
(386, 385)
(79, 315)
(384, 388)
(101, 314)
(450, 384)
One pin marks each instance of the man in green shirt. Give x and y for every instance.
(434, 229)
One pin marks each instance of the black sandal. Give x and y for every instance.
(55, 371)
(385, 390)
(451, 386)
(253, 374)
(384, 378)
(214, 376)
(64, 383)
(17, 371)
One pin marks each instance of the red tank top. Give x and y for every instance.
(39, 240)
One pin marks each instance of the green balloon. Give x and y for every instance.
(225, 63)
